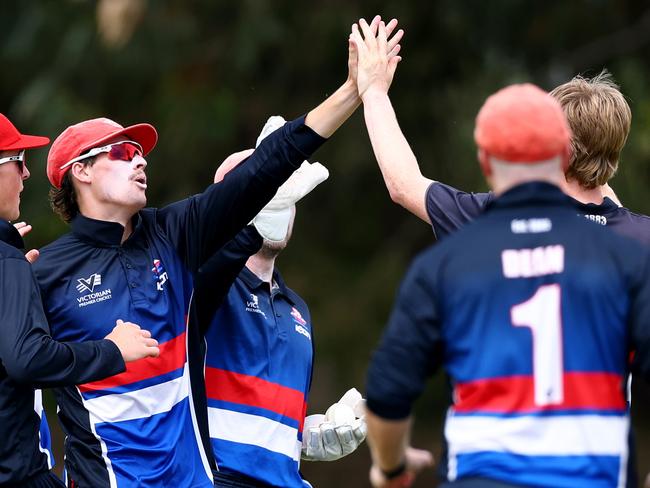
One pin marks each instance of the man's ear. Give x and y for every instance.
(484, 162)
(81, 172)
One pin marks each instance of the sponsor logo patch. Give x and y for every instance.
(300, 323)
(88, 285)
(253, 305)
(297, 317)
(159, 273)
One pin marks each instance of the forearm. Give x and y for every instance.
(66, 364)
(201, 225)
(216, 276)
(28, 352)
(397, 163)
(388, 440)
(335, 110)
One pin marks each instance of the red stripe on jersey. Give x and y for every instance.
(516, 394)
(172, 357)
(249, 390)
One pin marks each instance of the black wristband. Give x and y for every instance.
(394, 473)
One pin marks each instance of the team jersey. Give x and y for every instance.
(532, 311)
(148, 426)
(449, 209)
(258, 374)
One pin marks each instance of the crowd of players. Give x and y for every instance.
(179, 357)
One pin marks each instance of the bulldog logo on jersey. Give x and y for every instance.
(297, 317)
(159, 274)
(300, 323)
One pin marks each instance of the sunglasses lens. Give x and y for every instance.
(124, 152)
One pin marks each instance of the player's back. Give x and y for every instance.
(534, 303)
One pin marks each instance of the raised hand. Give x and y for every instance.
(133, 342)
(272, 222)
(353, 57)
(377, 54)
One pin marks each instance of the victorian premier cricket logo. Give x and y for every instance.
(253, 305)
(88, 285)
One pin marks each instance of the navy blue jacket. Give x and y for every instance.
(31, 359)
(473, 304)
(449, 209)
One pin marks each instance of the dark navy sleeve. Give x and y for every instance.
(449, 209)
(410, 350)
(640, 319)
(215, 277)
(28, 352)
(201, 225)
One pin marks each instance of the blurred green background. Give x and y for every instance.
(208, 73)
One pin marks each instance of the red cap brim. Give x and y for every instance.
(144, 134)
(27, 142)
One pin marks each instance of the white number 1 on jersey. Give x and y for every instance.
(542, 315)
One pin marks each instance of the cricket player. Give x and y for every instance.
(599, 118)
(148, 426)
(259, 358)
(29, 357)
(520, 261)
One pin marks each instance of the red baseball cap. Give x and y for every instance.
(522, 124)
(80, 138)
(11, 138)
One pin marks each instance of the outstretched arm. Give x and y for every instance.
(336, 109)
(201, 225)
(377, 62)
(330, 115)
(28, 352)
(398, 165)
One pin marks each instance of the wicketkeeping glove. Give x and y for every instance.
(272, 222)
(337, 433)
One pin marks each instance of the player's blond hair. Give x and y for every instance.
(600, 118)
